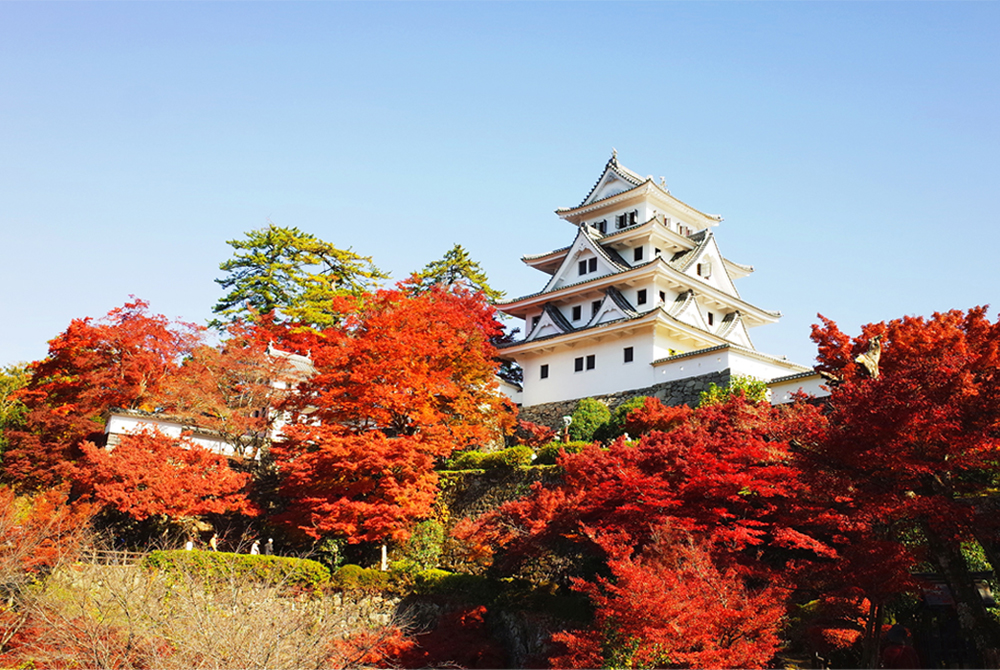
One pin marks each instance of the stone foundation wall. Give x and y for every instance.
(679, 392)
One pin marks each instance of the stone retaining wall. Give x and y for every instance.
(679, 392)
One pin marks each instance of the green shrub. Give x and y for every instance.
(474, 588)
(353, 577)
(511, 457)
(211, 565)
(615, 426)
(479, 460)
(588, 416)
(423, 548)
(548, 454)
(754, 389)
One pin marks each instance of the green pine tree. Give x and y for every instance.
(291, 273)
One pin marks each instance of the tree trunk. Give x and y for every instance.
(977, 625)
(873, 635)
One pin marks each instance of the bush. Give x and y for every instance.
(615, 426)
(505, 458)
(752, 388)
(472, 588)
(588, 416)
(548, 454)
(353, 577)
(423, 548)
(211, 565)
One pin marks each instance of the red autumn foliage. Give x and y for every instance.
(534, 435)
(672, 607)
(724, 474)
(150, 473)
(38, 532)
(230, 388)
(460, 639)
(402, 381)
(370, 649)
(120, 360)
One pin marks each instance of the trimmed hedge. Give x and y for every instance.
(548, 454)
(510, 457)
(352, 577)
(212, 565)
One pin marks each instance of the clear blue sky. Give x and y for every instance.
(851, 147)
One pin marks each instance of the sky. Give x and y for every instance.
(850, 147)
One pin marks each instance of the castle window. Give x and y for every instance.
(705, 269)
(640, 297)
(591, 265)
(578, 364)
(577, 313)
(657, 253)
(583, 267)
(602, 226)
(663, 297)
(595, 307)
(711, 319)
(629, 355)
(591, 361)
(544, 370)
(534, 321)
(637, 254)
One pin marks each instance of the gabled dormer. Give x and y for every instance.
(585, 260)
(614, 307)
(614, 180)
(550, 322)
(687, 310)
(734, 330)
(706, 264)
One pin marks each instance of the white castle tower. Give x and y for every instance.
(641, 299)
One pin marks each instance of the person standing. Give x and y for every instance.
(255, 548)
(269, 547)
(898, 653)
(214, 542)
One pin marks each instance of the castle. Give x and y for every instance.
(641, 302)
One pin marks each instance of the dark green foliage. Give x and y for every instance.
(471, 588)
(456, 269)
(355, 578)
(211, 565)
(615, 427)
(588, 416)
(479, 460)
(423, 549)
(548, 454)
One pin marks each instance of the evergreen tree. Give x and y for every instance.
(456, 267)
(291, 273)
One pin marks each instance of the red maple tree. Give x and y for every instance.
(230, 388)
(119, 361)
(672, 607)
(913, 442)
(403, 381)
(724, 473)
(150, 473)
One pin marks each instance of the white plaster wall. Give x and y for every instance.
(782, 393)
(692, 366)
(610, 374)
(129, 425)
(741, 364)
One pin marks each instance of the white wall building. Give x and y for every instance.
(642, 296)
